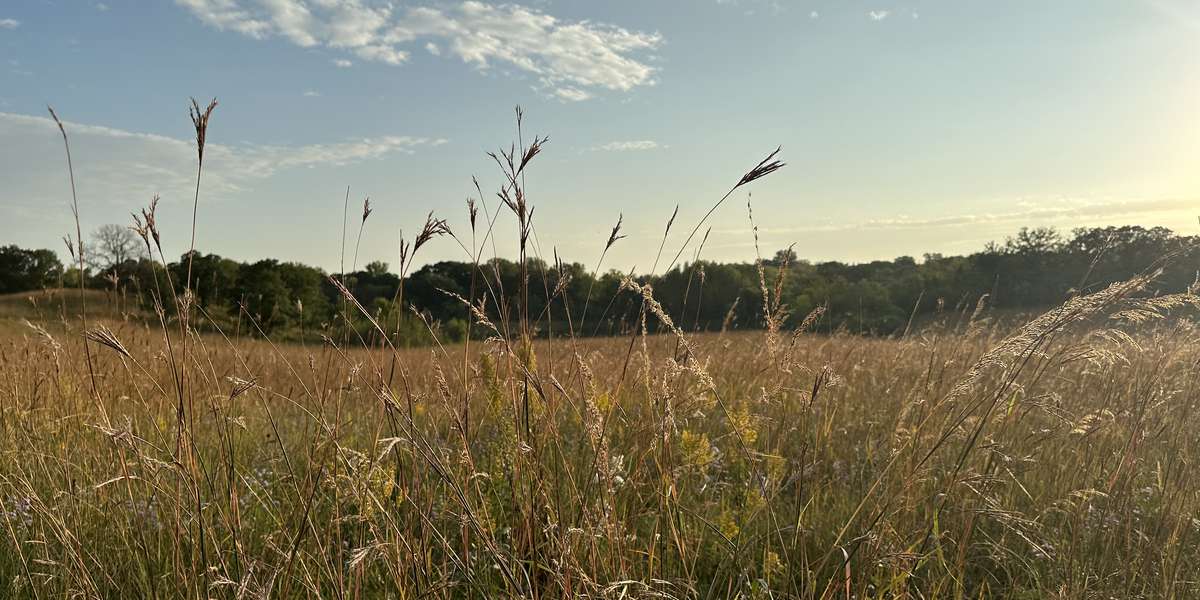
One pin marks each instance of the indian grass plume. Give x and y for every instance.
(478, 311)
(773, 310)
(1028, 338)
(563, 277)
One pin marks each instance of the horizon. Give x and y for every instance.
(908, 128)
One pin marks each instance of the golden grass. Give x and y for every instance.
(949, 463)
(1055, 458)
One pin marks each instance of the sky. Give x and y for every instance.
(908, 126)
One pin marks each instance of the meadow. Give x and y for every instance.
(166, 454)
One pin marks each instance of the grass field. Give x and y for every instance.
(160, 456)
(1053, 460)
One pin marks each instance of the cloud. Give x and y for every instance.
(879, 15)
(569, 59)
(631, 145)
(120, 169)
(814, 15)
(342, 63)
(102, 7)
(311, 94)
(571, 94)
(1057, 211)
(9, 23)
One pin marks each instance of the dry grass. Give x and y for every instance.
(967, 459)
(885, 466)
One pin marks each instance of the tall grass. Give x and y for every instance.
(963, 459)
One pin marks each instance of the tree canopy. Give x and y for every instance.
(1032, 269)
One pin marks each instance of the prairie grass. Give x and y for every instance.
(966, 458)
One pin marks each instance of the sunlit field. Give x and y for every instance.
(1055, 459)
(156, 449)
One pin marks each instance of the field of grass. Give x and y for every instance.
(46, 306)
(1053, 460)
(969, 457)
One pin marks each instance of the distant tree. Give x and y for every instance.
(1039, 240)
(264, 293)
(22, 270)
(376, 267)
(305, 297)
(214, 278)
(112, 245)
(1034, 268)
(786, 255)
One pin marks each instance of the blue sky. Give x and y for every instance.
(908, 126)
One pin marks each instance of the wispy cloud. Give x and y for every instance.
(123, 168)
(571, 94)
(631, 145)
(311, 94)
(9, 23)
(879, 15)
(1064, 212)
(342, 63)
(568, 59)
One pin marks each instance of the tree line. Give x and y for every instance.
(1032, 269)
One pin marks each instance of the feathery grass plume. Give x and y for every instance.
(1029, 337)
(240, 386)
(663, 243)
(773, 312)
(616, 233)
(479, 311)
(612, 239)
(146, 226)
(432, 228)
(69, 242)
(45, 335)
(104, 336)
(765, 167)
(200, 119)
(562, 280)
(362, 225)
